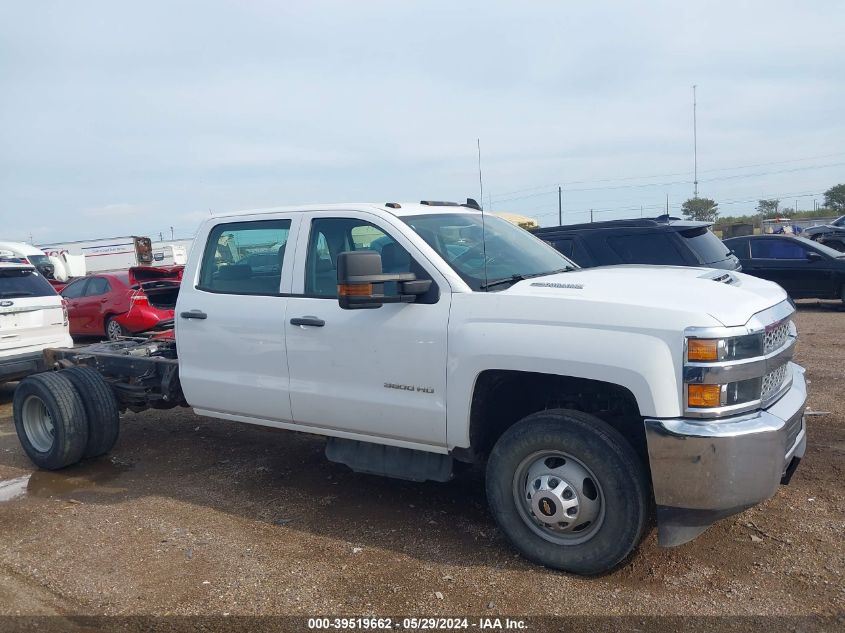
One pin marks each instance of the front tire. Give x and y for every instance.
(50, 420)
(568, 491)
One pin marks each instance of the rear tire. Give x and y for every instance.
(114, 330)
(50, 420)
(568, 491)
(100, 407)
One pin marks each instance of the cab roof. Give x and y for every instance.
(399, 209)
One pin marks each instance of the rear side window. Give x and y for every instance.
(646, 248)
(707, 247)
(777, 249)
(97, 286)
(18, 284)
(245, 258)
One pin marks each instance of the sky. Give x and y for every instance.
(124, 118)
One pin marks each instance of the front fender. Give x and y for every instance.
(641, 361)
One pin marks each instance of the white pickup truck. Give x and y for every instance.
(423, 337)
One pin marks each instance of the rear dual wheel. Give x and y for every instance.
(63, 417)
(568, 491)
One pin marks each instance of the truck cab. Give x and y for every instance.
(420, 338)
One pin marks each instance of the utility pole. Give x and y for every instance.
(171, 232)
(559, 206)
(667, 204)
(591, 215)
(160, 238)
(694, 144)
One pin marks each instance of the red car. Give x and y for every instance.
(123, 303)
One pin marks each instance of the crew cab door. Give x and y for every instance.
(230, 319)
(379, 373)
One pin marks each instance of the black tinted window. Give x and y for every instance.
(17, 283)
(777, 249)
(646, 248)
(97, 286)
(705, 245)
(245, 257)
(739, 247)
(74, 289)
(563, 245)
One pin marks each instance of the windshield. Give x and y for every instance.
(706, 246)
(39, 260)
(510, 251)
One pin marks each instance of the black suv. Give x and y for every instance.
(663, 241)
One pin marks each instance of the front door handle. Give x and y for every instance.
(308, 320)
(194, 314)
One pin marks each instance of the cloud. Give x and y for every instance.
(181, 108)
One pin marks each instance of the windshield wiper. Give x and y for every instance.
(514, 278)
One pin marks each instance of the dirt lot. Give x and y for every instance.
(195, 516)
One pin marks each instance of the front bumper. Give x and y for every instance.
(705, 470)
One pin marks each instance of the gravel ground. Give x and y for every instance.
(190, 515)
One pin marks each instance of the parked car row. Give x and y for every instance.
(805, 268)
(123, 303)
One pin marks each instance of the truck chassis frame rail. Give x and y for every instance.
(144, 373)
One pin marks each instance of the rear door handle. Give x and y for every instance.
(194, 314)
(308, 320)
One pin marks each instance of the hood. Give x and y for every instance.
(730, 297)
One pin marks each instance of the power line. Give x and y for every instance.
(645, 177)
(674, 182)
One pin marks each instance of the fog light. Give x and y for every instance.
(706, 396)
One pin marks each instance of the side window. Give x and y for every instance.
(332, 236)
(74, 290)
(97, 286)
(646, 248)
(564, 245)
(777, 249)
(579, 254)
(245, 257)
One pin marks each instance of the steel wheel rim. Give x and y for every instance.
(114, 330)
(38, 424)
(558, 497)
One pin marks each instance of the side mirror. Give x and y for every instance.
(360, 282)
(813, 256)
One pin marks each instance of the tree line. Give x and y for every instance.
(707, 209)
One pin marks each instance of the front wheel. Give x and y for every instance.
(568, 491)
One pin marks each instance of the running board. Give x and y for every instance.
(389, 461)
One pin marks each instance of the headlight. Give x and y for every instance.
(714, 350)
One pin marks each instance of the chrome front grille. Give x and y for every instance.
(773, 381)
(775, 337)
